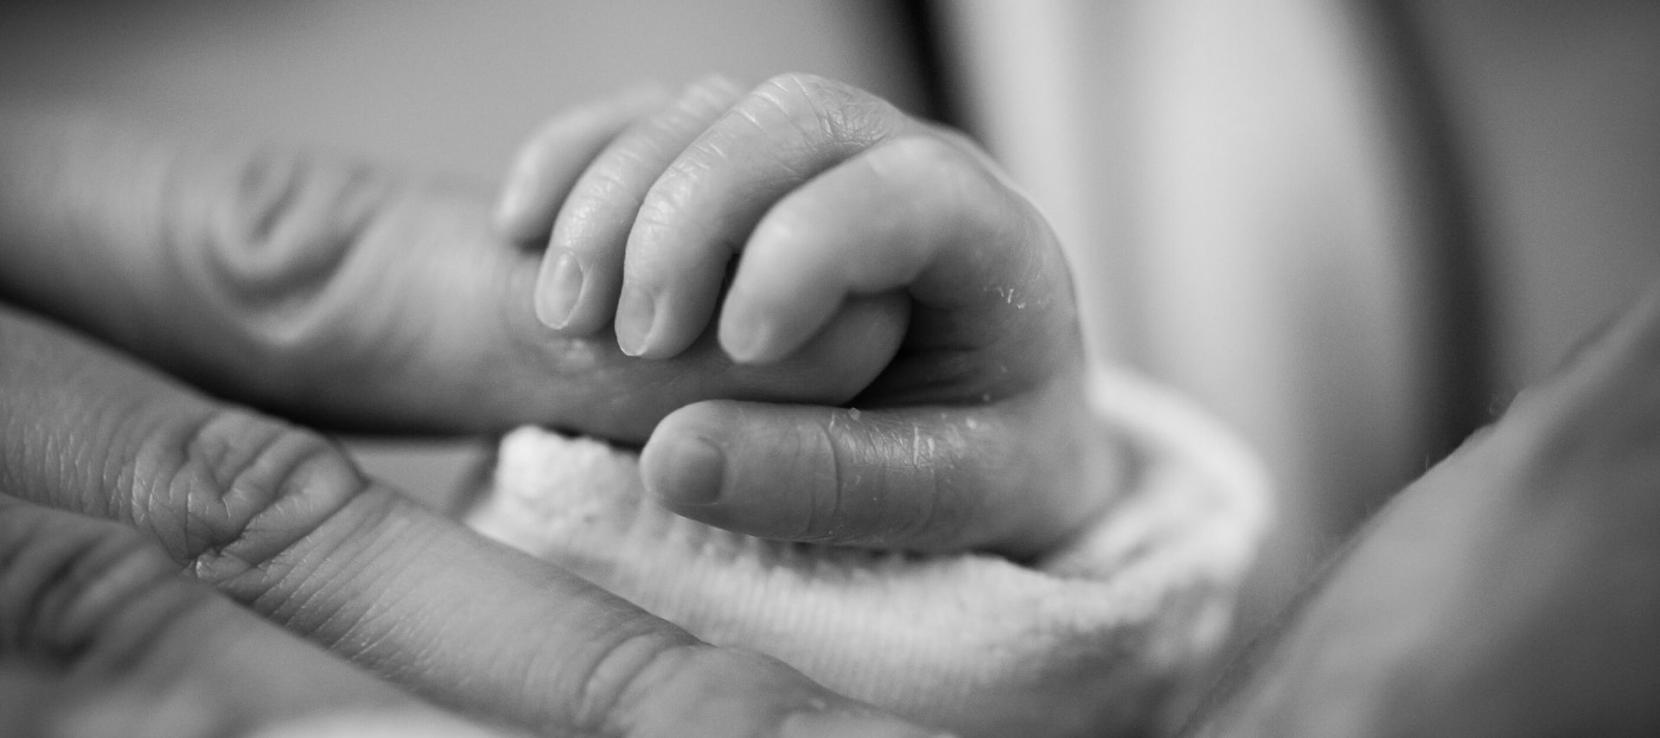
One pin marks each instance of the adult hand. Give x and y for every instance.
(338, 294)
(135, 511)
(824, 202)
(1509, 592)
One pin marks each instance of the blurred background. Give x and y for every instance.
(1351, 229)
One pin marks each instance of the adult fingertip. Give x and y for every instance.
(683, 469)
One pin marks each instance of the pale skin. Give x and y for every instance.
(175, 563)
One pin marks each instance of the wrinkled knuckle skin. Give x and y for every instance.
(664, 213)
(627, 671)
(836, 483)
(600, 199)
(666, 686)
(71, 586)
(243, 489)
(833, 110)
(278, 244)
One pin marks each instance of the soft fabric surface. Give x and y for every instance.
(1095, 639)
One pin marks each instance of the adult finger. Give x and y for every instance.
(131, 648)
(279, 520)
(916, 214)
(546, 166)
(702, 208)
(1016, 476)
(339, 294)
(581, 276)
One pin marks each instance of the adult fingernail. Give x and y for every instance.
(557, 294)
(694, 470)
(829, 724)
(635, 313)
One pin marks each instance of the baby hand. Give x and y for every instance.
(816, 196)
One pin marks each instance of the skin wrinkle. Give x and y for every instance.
(204, 504)
(121, 637)
(115, 489)
(854, 120)
(291, 587)
(297, 484)
(777, 94)
(263, 256)
(839, 481)
(266, 189)
(328, 554)
(273, 250)
(600, 189)
(654, 209)
(365, 648)
(154, 453)
(621, 673)
(197, 459)
(109, 575)
(394, 605)
(12, 554)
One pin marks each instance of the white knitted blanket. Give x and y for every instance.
(1093, 640)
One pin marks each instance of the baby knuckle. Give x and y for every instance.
(822, 109)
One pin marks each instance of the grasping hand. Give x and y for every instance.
(825, 202)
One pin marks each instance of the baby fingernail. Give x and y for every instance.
(744, 337)
(556, 296)
(635, 313)
(695, 470)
